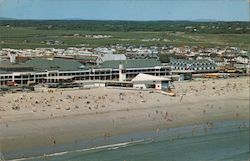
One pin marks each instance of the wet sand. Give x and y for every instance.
(40, 119)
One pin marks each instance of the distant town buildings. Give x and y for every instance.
(118, 63)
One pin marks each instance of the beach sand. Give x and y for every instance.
(41, 119)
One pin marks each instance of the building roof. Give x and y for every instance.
(42, 64)
(77, 57)
(187, 61)
(240, 66)
(13, 66)
(146, 77)
(245, 56)
(109, 57)
(131, 63)
(7, 67)
(217, 59)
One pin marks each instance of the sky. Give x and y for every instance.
(220, 10)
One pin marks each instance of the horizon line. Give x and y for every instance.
(125, 20)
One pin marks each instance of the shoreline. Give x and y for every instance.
(106, 113)
(138, 138)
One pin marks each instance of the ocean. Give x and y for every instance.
(228, 140)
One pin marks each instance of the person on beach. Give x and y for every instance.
(193, 130)
(205, 130)
(181, 98)
(158, 131)
(54, 141)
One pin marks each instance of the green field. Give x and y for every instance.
(32, 37)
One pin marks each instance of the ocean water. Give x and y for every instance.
(224, 141)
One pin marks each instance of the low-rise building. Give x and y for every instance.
(242, 59)
(145, 81)
(109, 57)
(56, 72)
(196, 66)
(218, 61)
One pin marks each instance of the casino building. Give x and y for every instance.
(41, 70)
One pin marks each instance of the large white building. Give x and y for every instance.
(51, 71)
(144, 81)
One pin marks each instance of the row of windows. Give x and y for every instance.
(101, 73)
(5, 77)
(86, 77)
(200, 68)
(194, 64)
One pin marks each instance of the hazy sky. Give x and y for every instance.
(227, 10)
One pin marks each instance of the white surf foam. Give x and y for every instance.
(111, 146)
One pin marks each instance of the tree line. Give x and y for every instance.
(129, 26)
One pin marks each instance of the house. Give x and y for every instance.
(242, 59)
(218, 61)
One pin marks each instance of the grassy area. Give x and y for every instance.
(32, 37)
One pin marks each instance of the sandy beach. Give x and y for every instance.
(42, 119)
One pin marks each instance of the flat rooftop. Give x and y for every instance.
(131, 63)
